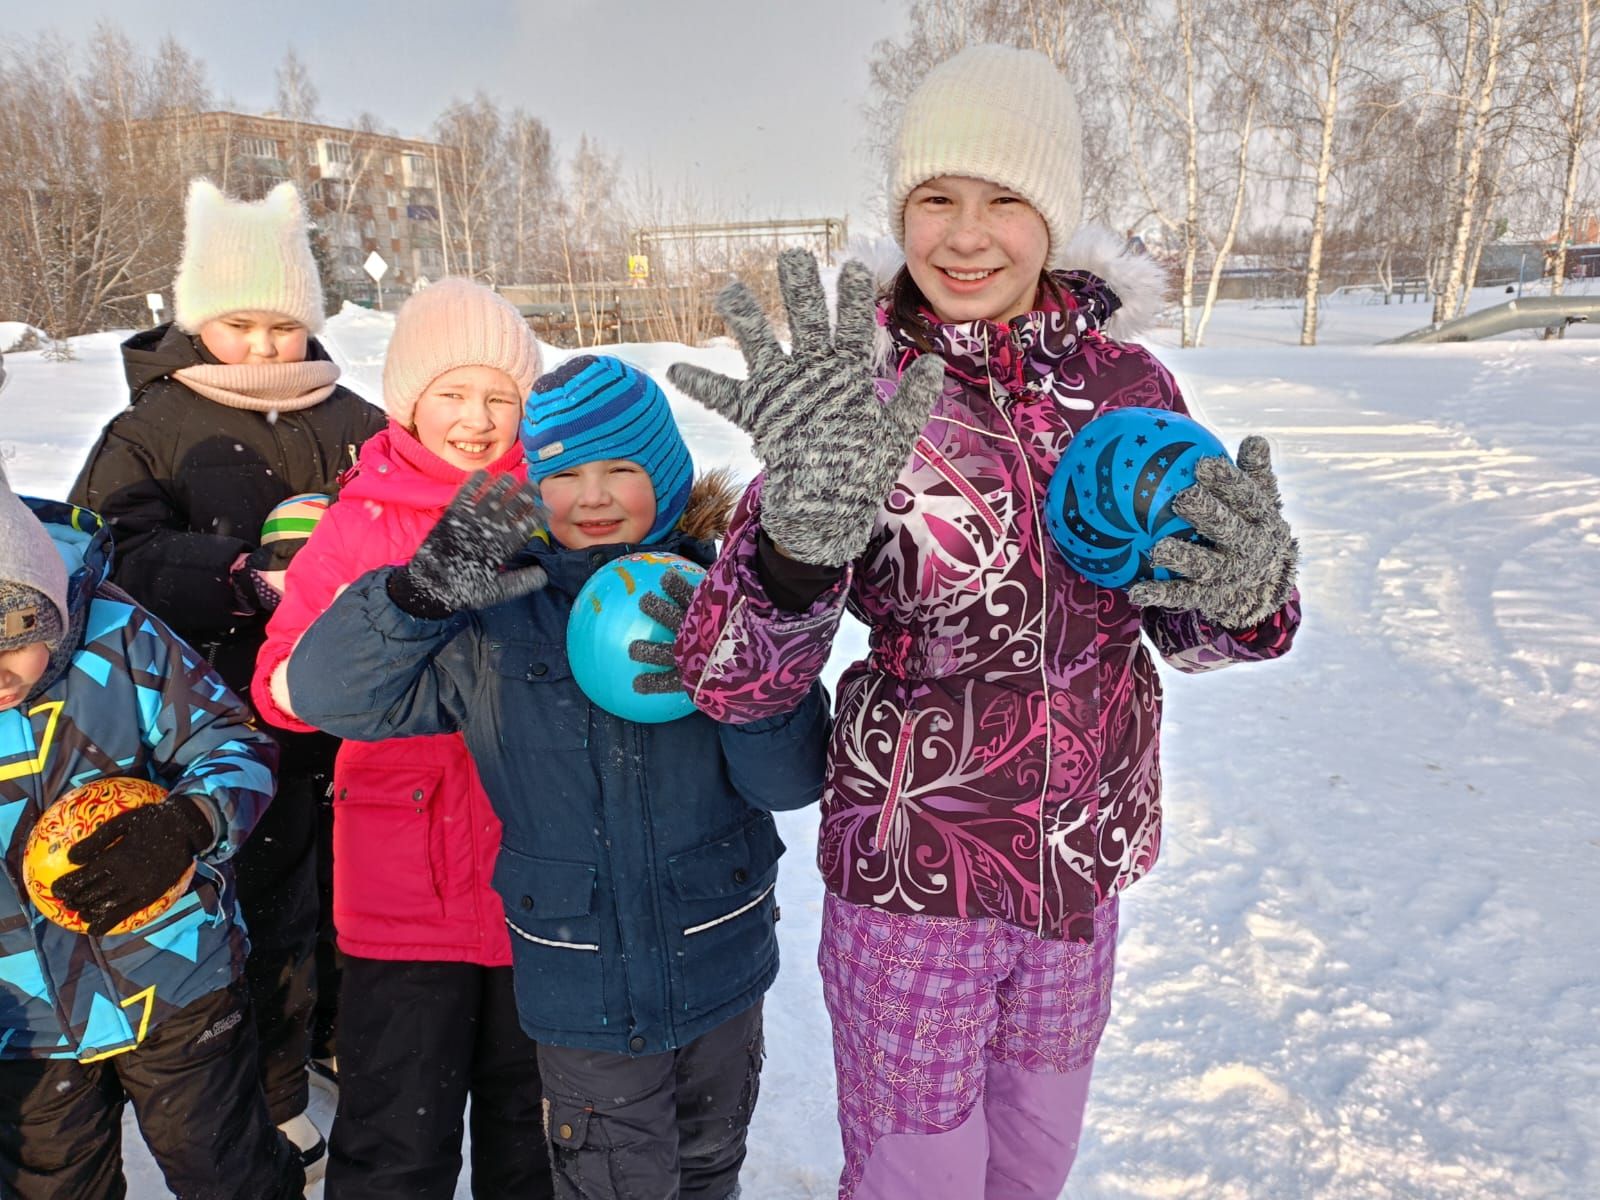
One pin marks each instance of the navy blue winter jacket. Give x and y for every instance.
(123, 696)
(638, 862)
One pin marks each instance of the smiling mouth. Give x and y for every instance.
(471, 447)
(969, 276)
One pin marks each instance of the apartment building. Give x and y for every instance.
(365, 191)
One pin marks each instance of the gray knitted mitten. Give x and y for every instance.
(457, 567)
(1248, 571)
(830, 448)
(669, 610)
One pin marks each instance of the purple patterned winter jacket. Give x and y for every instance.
(996, 755)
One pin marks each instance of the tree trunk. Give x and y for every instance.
(1191, 171)
(1214, 282)
(1319, 207)
(1469, 53)
(1456, 283)
(1574, 138)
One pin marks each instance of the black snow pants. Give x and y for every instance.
(417, 1040)
(194, 1088)
(670, 1126)
(277, 875)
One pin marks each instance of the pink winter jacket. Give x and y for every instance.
(996, 755)
(414, 838)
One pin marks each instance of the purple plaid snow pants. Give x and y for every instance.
(963, 1050)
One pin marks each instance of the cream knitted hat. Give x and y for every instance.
(239, 256)
(995, 113)
(33, 577)
(449, 324)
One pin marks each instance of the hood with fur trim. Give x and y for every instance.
(1137, 282)
(710, 506)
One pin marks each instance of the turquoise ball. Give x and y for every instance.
(606, 619)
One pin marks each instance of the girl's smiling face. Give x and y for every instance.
(600, 503)
(469, 416)
(974, 248)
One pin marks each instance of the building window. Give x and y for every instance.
(337, 152)
(254, 147)
(418, 169)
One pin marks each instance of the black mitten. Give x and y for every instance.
(132, 859)
(669, 610)
(457, 567)
(1248, 571)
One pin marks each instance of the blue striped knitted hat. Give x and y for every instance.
(591, 408)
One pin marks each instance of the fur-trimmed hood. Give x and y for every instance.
(1138, 281)
(710, 505)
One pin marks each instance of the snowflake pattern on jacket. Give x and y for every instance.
(996, 754)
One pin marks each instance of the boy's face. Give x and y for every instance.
(244, 337)
(600, 503)
(20, 669)
(469, 416)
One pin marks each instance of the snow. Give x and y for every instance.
(1365, 965)
(14, 333)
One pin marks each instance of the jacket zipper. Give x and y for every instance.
(62, 1015)
(897, 775)
(1044, 598)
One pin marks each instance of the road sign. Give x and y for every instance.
(377, 268)
(639, 266)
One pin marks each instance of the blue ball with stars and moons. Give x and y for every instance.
(1110, 499)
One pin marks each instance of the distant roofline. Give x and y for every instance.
(313, 126)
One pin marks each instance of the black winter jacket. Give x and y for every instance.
(185, 483)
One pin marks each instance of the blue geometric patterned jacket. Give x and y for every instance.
(124, 696)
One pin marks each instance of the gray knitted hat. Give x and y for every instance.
(33, 578)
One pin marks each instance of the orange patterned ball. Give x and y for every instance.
(71, 819)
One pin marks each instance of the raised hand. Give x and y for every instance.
(1248, 571)
(830, 447)
(457, 567)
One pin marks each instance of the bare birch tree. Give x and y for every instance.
(471, 184)
(1314, 48)
(1568, 79)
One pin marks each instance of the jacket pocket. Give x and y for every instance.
(560, 716)
(898, 768)
(386, 844)
(726, 908)
(555, 940)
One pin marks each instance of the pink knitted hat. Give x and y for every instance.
(449, 324)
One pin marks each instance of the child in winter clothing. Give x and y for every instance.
(92, 685)
(639, 861)
(993, 776)
(415, 839)
(235, 407)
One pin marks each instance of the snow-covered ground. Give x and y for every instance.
(1366, 966)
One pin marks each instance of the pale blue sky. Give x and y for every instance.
(759, 104)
